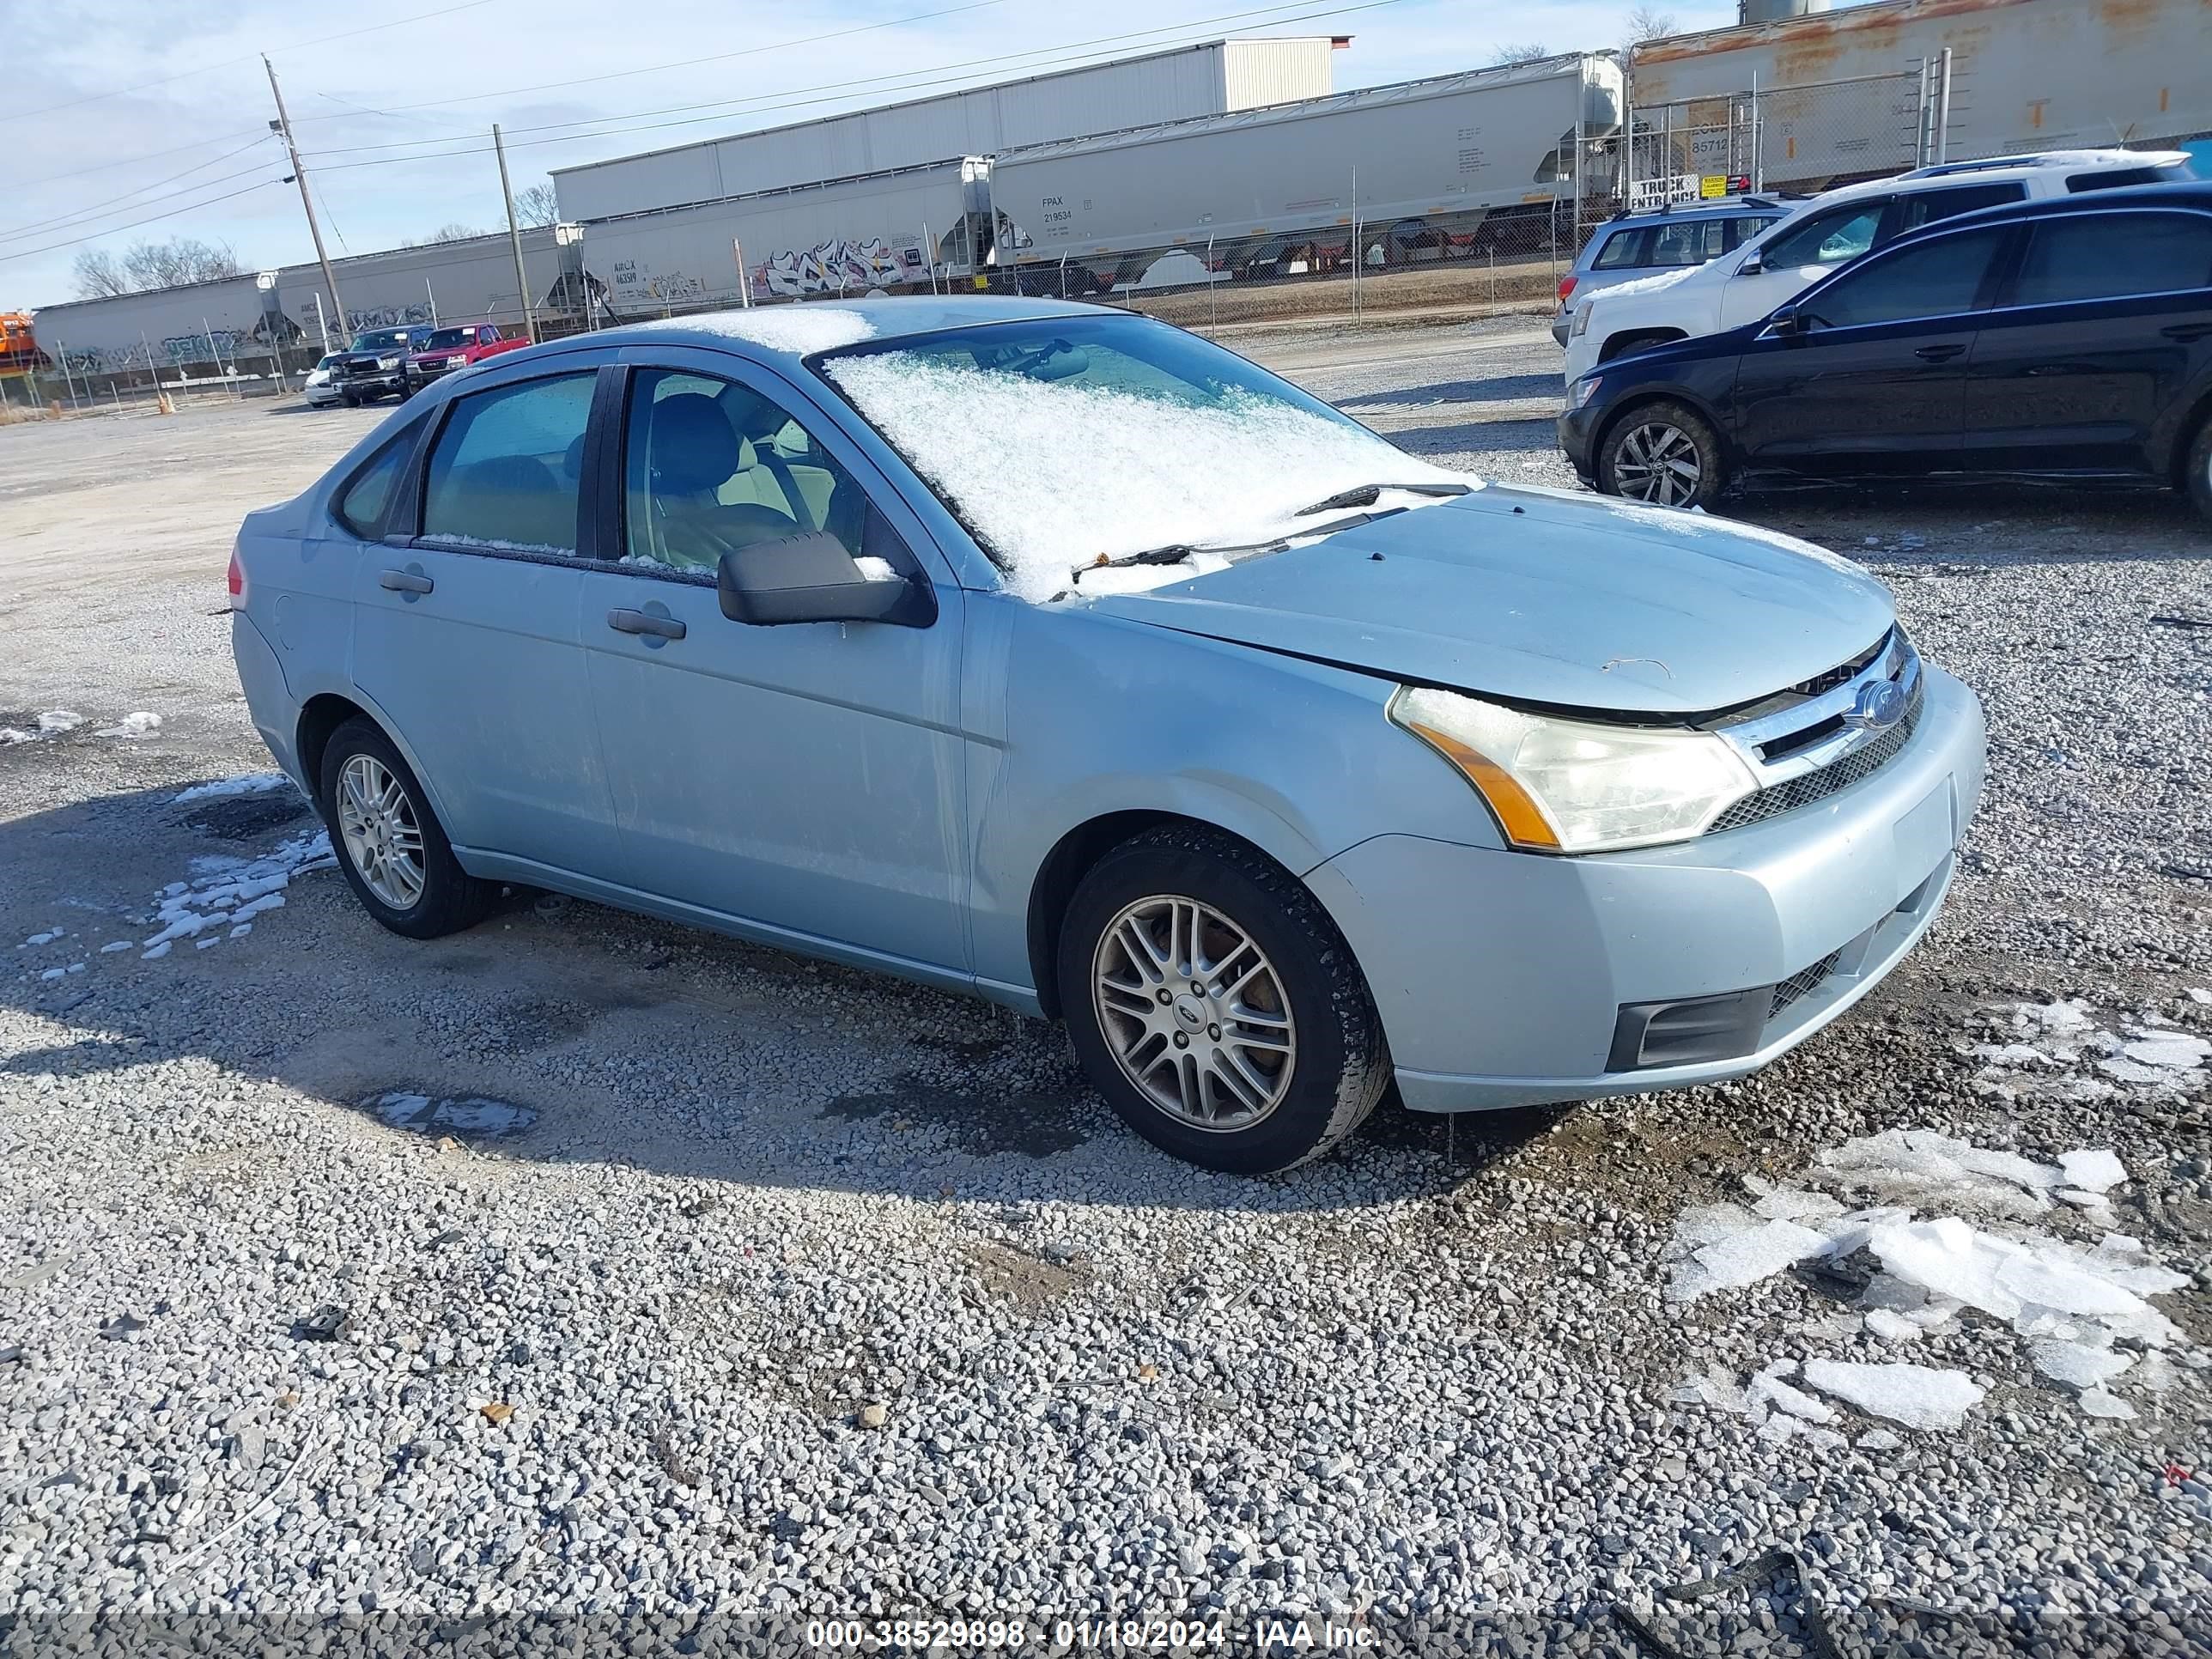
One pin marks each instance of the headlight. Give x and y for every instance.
(1584, 389)
(388, 362)
(1567, 785)
(1581, 319)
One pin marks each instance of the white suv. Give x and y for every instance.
(1826, 231)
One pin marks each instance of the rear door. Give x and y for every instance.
(2108, 320)
(466, 630)
(1874, 379)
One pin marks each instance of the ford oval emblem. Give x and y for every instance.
(1880, 705)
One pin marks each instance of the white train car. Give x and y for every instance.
(887, 232)
(1425, 161)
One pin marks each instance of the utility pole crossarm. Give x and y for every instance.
(282, 123)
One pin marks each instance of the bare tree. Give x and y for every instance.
(1646, 23)
(97, 276)
(536, 206)
(452, 231)
(1517, 52)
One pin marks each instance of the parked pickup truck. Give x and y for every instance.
(456, 345)
(372, 367)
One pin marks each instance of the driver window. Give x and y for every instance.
(709, 466)
(1826, 239)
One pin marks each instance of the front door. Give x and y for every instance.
(2108, 319)
(804, 778)
(465, 628)
(1872, 375)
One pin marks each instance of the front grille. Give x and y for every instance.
(1800, 983)
(1842, 672)
(1840, 774)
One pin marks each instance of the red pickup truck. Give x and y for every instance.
(451, 346)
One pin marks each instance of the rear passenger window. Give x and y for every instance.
(1689, 242)
(2116, 178)
(2109, 255)
(506, 471)
(360, 507)
(1623, 251)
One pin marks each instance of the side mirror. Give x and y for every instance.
(1750, 267)
(811, 577)
(1786, 323)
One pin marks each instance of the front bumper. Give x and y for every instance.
(1578, 429)
(1502, 977)
(384, 384)
(423, 374)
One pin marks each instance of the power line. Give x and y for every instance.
(14, 232)
(1074, 53)
(684, 63)
(172, 212)
(243, 57)
(20, 186)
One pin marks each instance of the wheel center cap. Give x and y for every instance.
(1189, 1013)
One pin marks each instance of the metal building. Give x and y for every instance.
(1211, 79)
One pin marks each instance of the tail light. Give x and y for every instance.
(237, 582)
(1567, 287)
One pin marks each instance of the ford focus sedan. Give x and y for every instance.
(1060, 656)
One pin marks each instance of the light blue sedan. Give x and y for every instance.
(1053, 654)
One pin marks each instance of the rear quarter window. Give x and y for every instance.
(367, 496)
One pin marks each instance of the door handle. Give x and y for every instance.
(1938, 354)
(404, 581)
(638, 621)
(2188, 333)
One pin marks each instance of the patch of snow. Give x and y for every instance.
(234, 894)
(2077, 1364)
(1768, 1386)
(56, 720)
(1102, 473)
(1918, 1396)
(2200, 996)
(115, 944)
(52, 973)
(247, 783)
(2169, 1053)
(2096, 1402)
(137, 725)
(1744, 1258)
(1893, 1327)
(2092, 1170)
(1879, 1440)
(874, 569)
(12, 734)
(801, 329)
(1636, 285)
(46, 938)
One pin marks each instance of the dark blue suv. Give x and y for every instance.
(2066, 337)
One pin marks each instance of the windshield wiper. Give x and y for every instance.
(1176, 552)
(1368, 494)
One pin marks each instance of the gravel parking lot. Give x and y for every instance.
(684, 1281)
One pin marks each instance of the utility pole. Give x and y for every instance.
(515, 239)
(283, 124)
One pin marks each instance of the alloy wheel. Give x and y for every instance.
(1657, 462)
(382, 836)
(1194, 1012)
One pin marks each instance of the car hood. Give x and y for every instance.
(1545, 597)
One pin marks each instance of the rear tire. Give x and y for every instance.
(1185, 933)
(1662, 454)
(389, 843)
(2200, 469)
(351, 399)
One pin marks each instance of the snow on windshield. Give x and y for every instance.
(800, 329)
(1051, 475)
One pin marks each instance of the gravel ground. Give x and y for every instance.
(765, 1292)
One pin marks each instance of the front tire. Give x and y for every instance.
(389, 843)
(1664, 455)
(2200, 469)
(1215, 1006)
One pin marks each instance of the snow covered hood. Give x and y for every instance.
(1545, 597)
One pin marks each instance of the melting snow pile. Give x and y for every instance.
(249, 783)
(2067, 1051)
(138, 724)
(2083, 1313)
(1103, 472)
(231, 892)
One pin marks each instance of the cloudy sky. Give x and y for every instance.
(131, 118)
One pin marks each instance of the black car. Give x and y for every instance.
(375, 365)
(2068, 338)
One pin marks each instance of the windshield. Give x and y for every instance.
(449, 336)
(381, 339)
(1066, 440)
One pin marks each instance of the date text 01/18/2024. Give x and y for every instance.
(1081, 1636)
